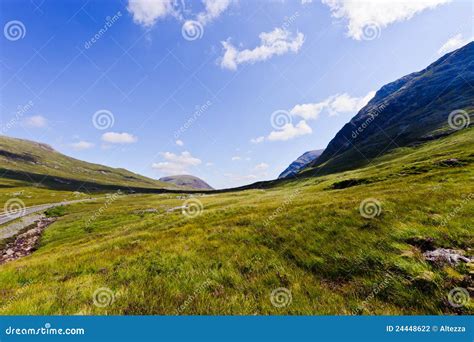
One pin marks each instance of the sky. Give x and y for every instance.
(231, 91)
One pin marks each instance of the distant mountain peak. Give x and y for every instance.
(300, 163)
(187, 181)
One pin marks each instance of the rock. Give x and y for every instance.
(443, 256)
(10, 252)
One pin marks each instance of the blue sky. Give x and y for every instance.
(229, 91)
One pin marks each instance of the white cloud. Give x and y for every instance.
(453, 43)
(179, 142)
(209, 164)
(308, 111)
(82, 145)
(261, 167)
(336, 104)
(274, 43)
(380, 13)
(147, 12)
(289, 131)
(176, 163)
(345, 103)
(36, 121)
(213, 9)
(304, 2)
(236, 158)
(257, 140)
(119, 138)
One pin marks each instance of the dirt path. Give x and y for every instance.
(7, 217)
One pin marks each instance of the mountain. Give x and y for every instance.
(413, 109)
(40, 163)
(187, 181)
(300, 163)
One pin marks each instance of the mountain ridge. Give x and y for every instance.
(300, 163)
(40, 163)
(409, 110)
(187, 182)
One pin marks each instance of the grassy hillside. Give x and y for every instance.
(307, 236)
(38, 163)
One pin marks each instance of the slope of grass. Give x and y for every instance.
(31, 161)
(307, 236)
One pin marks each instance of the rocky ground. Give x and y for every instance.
(25, 243)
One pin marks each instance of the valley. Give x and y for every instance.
(234, 249)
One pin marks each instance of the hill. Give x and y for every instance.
(300, 163)
(187, 182)
(39, 163)
(419, 107)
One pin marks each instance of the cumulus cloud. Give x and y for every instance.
(119, 138)
(381, 13)
(82, 145)
(274, 43)
(176, 163)
(336, 104)
(453, 43)
(147, 12)
(235, 158)
(36, 121)
(179, 142)
(289, 131)
(213, 9)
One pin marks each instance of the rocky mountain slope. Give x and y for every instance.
(300, 163)
(187, 182)
(421, 106)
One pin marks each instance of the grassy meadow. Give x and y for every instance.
(307, 236)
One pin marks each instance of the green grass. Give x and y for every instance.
(307, 236)
(31, 161)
